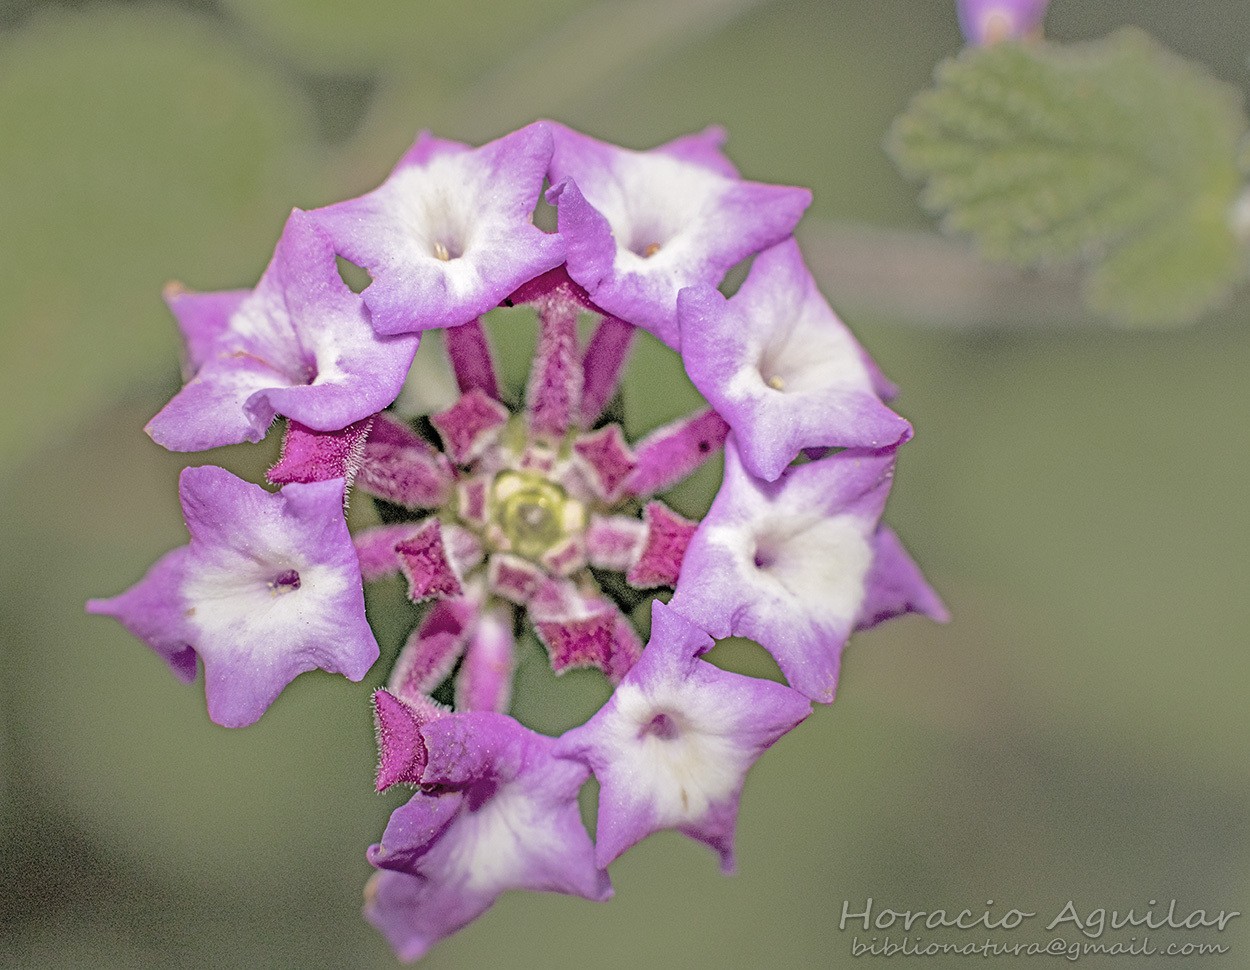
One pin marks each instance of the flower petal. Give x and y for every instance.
(448, 235)
(203, 319)
(896, 586)
(671, 748)
(299, 345)
(786, 563)
(781, 368)
(642, 225)
(272, 588)
(153, 610)
(505, 816)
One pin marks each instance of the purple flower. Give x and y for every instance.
(671, 748)
(449, 235)
(781, 368)
(787, 563)
(268, 588)
(642, 225)
(991, 21)
(518, 511)
(299, 345)
(497, 811)
(506, 505)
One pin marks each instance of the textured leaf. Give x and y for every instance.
(1117, 151)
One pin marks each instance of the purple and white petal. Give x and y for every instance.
(671, 748)
(896, 586)
(781, 368)
(299, 345)
(216, 408)
(449, 235)
(203, 319)
(786, 563)
(271, 588)
(640, 226)
(355, 372)
(154, 611)
(505, 816)
(703, 148)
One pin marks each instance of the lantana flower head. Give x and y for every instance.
(532, 510)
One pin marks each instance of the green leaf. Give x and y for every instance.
(1115, 151)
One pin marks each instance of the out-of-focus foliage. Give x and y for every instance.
(1116, 150)
(443, 39)
(134, 148)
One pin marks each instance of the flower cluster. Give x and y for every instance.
(530, 508)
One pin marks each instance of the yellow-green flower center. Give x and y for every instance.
(533, 513)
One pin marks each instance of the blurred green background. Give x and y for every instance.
(1079, 731)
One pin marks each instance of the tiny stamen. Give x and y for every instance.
(285, 582)
(661, 726)
(777, 383)
(441, 252)
(651, 250)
